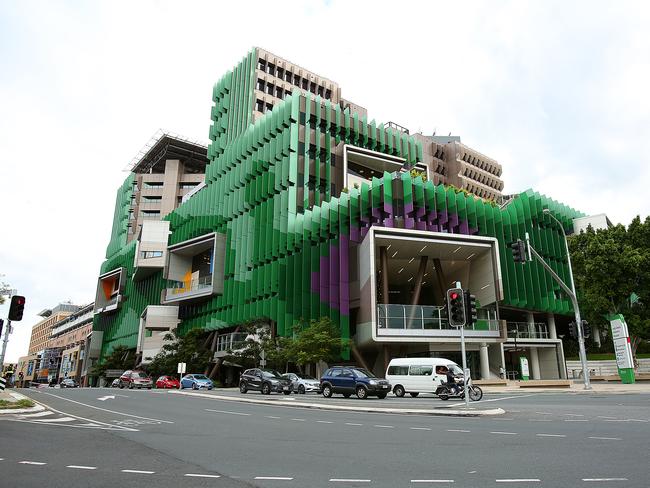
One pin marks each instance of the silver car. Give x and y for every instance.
(302, 383)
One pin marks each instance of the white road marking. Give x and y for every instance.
(503, 433)
(604, 479)
(502, 419)
(540, 420)
(271, 417)
(279, 478)
(103, 409)
(604, 417)
(606, 438)
(471, 472)
(351, 423)
(498, 399)
(573, 415)
(226, 411)
(193, 475)
(107, 397)
(298, 420)
(457, 430)
(384, 426)
(432, 481)
(37, 414)
(544, 413)
(137, 471)
(419, 428)
(73, 466)
(581, 420)
(61, 419)
(324, 422)
(637, 420)
(519, 480)
(348, 480)
(34, 463)
(550, 435)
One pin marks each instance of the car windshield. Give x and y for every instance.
(363, 373)
(140, 375)
(271, 374)
(200, 377)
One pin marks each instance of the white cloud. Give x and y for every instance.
(555, 91)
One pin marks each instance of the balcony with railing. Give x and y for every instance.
(182, 290)
(425, 320)
(524, 330)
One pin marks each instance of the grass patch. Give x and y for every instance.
(24, 403)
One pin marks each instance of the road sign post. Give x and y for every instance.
(182, 367)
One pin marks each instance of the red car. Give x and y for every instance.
(135, 379)
(167, 382)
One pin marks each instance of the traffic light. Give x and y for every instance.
(2, 324)
(471, 314)
(456, 307)
(519, 251)
(586, 329)
(573, 330)
(16, 308)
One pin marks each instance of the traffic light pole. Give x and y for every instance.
(576, 309)
(4, 343)
(462, 351)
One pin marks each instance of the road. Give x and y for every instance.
(102, 437)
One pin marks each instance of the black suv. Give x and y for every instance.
(264, 380)
(349, 379)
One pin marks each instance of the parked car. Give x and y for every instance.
(196, 382)
(167, 382)
(135, 379)
(265, 381)
(347, 380)
(69, 383)
(115, 383)
(302, 383)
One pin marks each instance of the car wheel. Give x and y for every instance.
(381, 396)
(327, 391)
(301, 389)
(266, 389)
(242, 387)
(130, 386)
(399, 391)
(120, 385)
(194, 387)
(414, 394)
(443, 397)
(362, 393)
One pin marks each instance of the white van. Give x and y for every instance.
(417, 375)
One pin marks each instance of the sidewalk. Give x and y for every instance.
(576, 387)
(12, 396)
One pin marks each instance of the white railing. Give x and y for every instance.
(524, 330)
(180, 287)
(421, 317)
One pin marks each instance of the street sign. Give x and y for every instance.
(622, 348)
(182, 367)
(525, 372)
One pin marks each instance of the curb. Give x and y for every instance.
(316, 406)
(18, 396)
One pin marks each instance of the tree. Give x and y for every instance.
(189, 348)
(259, 339)
(120, 358)
(318, 340)
(612, 275)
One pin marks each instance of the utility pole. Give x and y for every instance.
(568, 291)
(4, 343)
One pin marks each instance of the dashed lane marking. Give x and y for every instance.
(606, 438)
(271, 417)
(519, 480)
(605, 479)
(580, 420)
(195, 475)
(73, 466)
(384, 426)
(137, 471)
(550, 435)
(298, 420)
(574, 415)
(503, 433)
(605, 417)
(226, 411)
(352, 423)
(33, 463)
(432, 481)
(348, 480)
(544, 413)
(324, 422)
(419, 428)
(458, 430)
(277, 478)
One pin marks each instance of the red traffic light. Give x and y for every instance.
(453, 295)
(20, 300)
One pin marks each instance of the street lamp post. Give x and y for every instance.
(576, 309)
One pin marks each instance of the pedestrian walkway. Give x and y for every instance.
(576, 387)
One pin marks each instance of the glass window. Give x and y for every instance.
(421, 370)
(280, 73)
(296, 80)
(363, 373)
(398, 370)
(260, 85)
(259, 106)
(278, 92)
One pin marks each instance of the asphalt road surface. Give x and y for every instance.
(104, 437)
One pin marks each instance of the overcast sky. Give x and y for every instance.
(555, 91)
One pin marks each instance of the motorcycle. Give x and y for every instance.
(444, 391)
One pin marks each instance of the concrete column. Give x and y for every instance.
(485, 362)
(383, 262)
(534, 363)
(530, 319)
(552, 333)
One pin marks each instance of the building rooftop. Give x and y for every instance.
(165, 145)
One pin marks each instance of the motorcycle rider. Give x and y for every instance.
(451, 381)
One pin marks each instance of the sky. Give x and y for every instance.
(557, 92)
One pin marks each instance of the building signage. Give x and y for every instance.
(622, 348)
(619, 328)
(525, 372)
